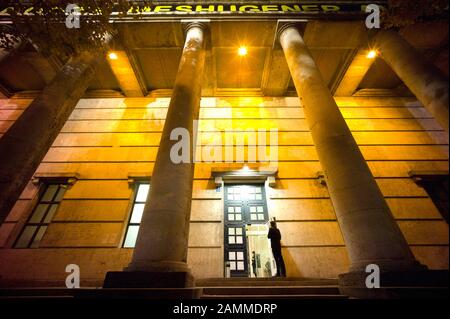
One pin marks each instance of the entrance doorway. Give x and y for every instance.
(247, 250)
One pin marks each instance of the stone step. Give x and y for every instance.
(102, 293)
(212, 282)
(272, 290)
(411, 292)
(233, 292)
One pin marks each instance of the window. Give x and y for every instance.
(137, 209)
(257, 213)
(234, 213)
(435, 184)
(236, 259)
(235, 235)
(41, 217)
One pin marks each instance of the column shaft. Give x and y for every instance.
(25, 144)
(370, 232)
(163, 235)
(425, 80)
(3, 55)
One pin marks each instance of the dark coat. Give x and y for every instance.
(275, 238)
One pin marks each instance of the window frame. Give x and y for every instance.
(133, 203)
(428, 180)
(43, 223)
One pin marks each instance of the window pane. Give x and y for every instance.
(238, 217)
(239, 240)
(38, 213)
(238, 231)
(25, 238)
(231, 231)
(130, 240)
(231, 240)
(240, 265)
(50, 213)
(136, 216)
(231, 255)
(238, 209)
(38, 237)
(233, 265)
(240, 255)
(50, 193)
(258, 196)
(142, 192)
(60, 195)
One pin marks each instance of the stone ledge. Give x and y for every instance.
(408, 284)
(144, 279)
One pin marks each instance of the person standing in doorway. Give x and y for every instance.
(275, 241)
(254, 264)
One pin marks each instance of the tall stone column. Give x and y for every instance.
(370, 232)
(26, 142)
(3, 55)
(425, 80)
(160, 254)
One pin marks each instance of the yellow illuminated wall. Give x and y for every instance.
(107, 140)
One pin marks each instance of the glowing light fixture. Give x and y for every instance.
(112, 56)
(242, 51)
(372, 54)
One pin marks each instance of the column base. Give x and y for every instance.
(396, 284)
(148, 279)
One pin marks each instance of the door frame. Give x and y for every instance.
(246, 214)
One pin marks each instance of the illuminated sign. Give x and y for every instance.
(230, 8)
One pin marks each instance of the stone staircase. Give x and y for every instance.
(234, 288)
(269, 288)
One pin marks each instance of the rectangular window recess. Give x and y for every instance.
(436, 184)
(140, 194)
(420, 176)
(33, 231)
(55, 178)
(139, 177)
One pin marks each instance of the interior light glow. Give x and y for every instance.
(112, 56)
(372, 54)
(242, 51)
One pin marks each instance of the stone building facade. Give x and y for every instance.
(108, 146)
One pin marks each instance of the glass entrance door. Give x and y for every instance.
(261, 263)
(245, 205)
